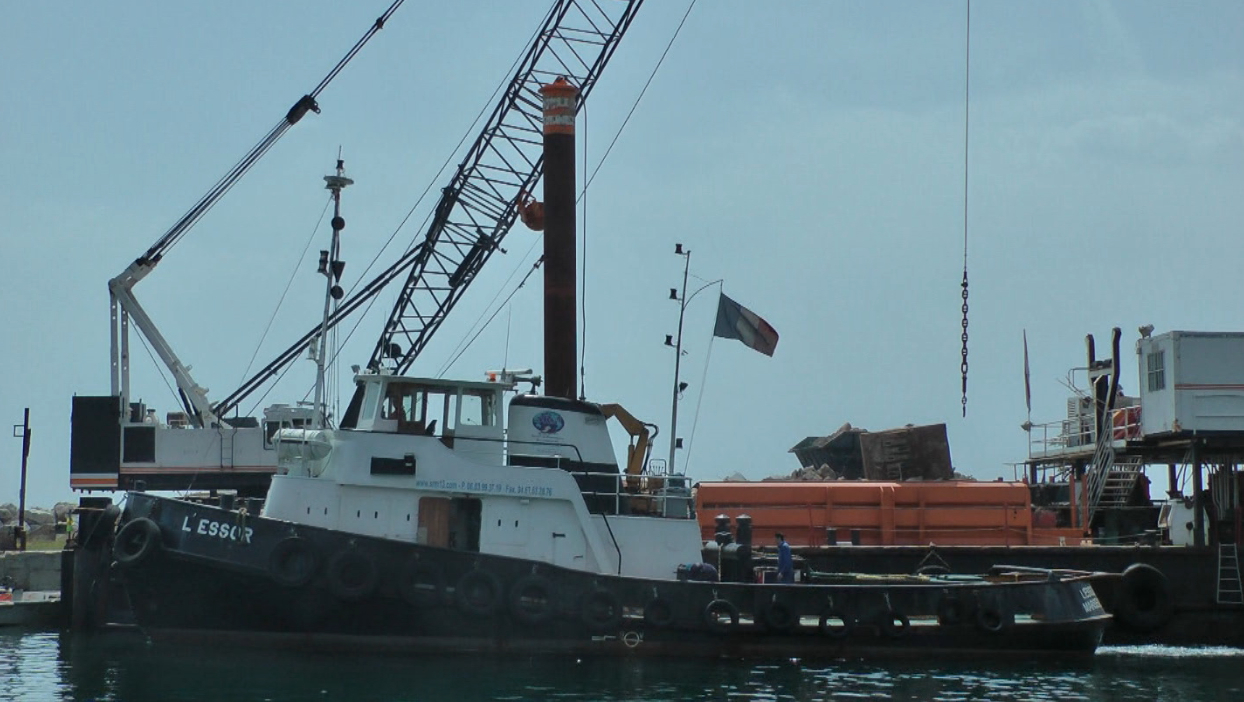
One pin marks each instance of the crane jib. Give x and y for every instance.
(480, 205)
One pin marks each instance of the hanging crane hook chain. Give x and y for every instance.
(963, 366)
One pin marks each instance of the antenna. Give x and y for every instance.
(330, 267)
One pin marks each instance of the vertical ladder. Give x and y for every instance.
(1229, 591)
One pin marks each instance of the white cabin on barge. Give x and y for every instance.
(430, 461)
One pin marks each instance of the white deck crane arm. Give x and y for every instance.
(125, 307)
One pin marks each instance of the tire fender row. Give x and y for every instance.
(533, 599)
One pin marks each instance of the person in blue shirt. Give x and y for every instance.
(786, 565)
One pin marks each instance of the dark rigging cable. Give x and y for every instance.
(304, 105)
(668, 46)
(967, 67)
(288, 284)
(493, 316)
(583, 275)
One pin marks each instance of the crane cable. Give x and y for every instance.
(288, 284)
(967, 66)
(304, 104)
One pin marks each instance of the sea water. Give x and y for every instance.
(37, 666)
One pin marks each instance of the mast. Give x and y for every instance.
(330, 267)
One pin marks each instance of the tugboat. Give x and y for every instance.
(394, 535)
(427, 521)
(458, 516)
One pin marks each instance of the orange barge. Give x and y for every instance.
(916, 513)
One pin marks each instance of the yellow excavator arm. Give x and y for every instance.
(637, 451)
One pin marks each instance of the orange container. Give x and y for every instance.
(881, 513)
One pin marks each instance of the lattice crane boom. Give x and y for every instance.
(479, 206)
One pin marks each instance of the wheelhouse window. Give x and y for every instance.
(479, 408)
(408, 404)
(369, 401)
(1156, 364)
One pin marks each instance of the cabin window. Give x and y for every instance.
(478, 410)
(449, 522)
(408, 405)
(1157, 370)
(369, 401)
(428, 409)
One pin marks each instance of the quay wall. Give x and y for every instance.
(31, 570)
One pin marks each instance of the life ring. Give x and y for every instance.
(293, 562)
(658, 613)
(478, 592)
(1142, 599)
(136, 542)
(422, 583)
(779, 616)
(951, 611)
(721, 615)
(531, 600)
(601, 610)
(351, 574)
(992, 618)
(829, 629)
(895, 624)
(933, 570)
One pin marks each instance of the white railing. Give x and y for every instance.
(1079, 435)
(650, 495)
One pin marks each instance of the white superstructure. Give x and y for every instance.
(430, 462)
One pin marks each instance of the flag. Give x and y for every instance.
(734, 321)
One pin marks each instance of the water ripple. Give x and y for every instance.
(38, 667)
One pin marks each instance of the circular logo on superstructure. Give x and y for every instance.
(548, 422)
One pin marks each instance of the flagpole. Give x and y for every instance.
(682, 308)
(683, 300)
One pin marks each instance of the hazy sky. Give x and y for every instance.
(809, 153)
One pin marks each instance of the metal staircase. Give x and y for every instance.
(1099, 474)
(1120, 481)
(1229, 590)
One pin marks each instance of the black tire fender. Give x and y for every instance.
(137, 541)
(991, 618)
(531, 599)
(293, 562)
(832, 631)
(717, 609)
(351, 575)
(779, 616)
(478, 592)
(951, 611)
(659, 613)
(895, 624)
(1143, 599)
(422, 583)
(600, 610)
